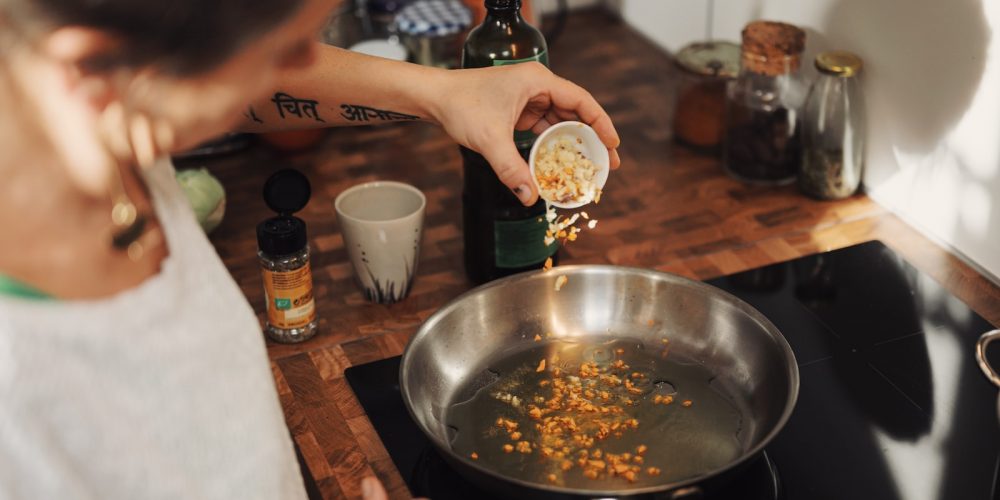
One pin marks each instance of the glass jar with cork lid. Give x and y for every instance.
(763, 139)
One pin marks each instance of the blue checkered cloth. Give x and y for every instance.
(434, 18)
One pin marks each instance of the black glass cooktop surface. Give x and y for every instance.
(892, 405)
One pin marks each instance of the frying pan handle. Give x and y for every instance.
(981, 355)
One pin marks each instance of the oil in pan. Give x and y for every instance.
(590, 414)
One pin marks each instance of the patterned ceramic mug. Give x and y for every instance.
(382, 222)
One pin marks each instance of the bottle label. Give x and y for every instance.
(524, 138)
(521, 243)
(542, 57)
(289, 296)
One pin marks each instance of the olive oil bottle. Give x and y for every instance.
(502, 236)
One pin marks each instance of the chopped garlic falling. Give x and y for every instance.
(562, 228)
(560, 281)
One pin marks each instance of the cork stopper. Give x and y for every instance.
(772, 48)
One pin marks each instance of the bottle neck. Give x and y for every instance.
(506, 11)
(503, 5)
(504, 19)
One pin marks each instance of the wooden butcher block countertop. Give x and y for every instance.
(668, 208)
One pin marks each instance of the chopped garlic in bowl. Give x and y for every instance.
(563, 173)
(569, 165)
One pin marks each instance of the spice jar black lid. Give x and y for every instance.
(281, 235)
(287, 191)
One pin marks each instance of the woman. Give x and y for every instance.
(114, 308)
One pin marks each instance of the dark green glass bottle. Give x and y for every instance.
(502, 236)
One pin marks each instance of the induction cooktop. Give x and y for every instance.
(892, 405)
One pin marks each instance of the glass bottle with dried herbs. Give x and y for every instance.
(762, 143)
(833, 132)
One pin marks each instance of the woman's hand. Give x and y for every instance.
(372, 489)
(481, 108)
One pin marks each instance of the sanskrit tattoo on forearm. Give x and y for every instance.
(359, 113)
(251, 115)
(300, 108)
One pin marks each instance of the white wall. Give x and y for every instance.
(548, 6)
(932, 86)
(670, 23)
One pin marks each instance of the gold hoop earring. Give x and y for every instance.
(129, 137)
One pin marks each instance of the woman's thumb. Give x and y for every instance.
(512, 170)
(371, 489)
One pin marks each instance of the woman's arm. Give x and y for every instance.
(344, 88)
(479, 108)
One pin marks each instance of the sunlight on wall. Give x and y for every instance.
(932, 91)
(953, 192)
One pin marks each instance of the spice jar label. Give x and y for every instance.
(289, 296)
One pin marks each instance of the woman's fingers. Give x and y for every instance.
(532, 99)
(569, 98)
(540, 126)
(565, 114)
(372, 489)
(565, 101)
(554, 117)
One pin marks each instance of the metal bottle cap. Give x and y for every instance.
(839, 63)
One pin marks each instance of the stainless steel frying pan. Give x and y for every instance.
(985, 365)
(733, 340)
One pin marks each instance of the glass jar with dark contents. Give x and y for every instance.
(762, 143)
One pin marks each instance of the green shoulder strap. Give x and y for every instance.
(11, 287)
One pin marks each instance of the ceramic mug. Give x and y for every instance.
(382, 223)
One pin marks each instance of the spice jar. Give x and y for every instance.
(283, 252)
(433, 30)
(833, 133)
(705, 69)
(762, 143)
(378, 17)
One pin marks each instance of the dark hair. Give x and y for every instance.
(182, 37)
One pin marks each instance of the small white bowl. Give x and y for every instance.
(591, 147)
